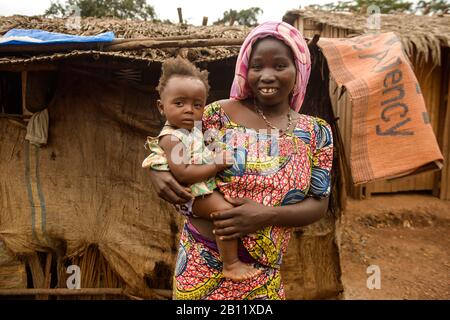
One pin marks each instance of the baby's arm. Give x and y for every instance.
(187, 173)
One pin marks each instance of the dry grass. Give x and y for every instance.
(423, 35)
(127, 29)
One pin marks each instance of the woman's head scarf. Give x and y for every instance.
(294, 40)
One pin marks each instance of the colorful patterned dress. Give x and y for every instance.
(272, 171)
(197, 154)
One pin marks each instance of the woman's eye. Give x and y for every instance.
(281, 66)
(256, 67)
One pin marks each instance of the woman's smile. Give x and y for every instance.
(268, 91)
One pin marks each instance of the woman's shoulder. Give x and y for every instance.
(313, 130)
(225, 110)
(225, 104)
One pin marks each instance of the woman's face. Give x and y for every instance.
(271, 74)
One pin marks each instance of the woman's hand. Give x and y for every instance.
(168, 188)
(246, 217)
(249, 216)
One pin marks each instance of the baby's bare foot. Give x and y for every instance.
(239, 271)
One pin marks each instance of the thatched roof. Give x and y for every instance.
(125, 29)
(425, 34)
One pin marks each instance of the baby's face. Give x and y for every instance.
(183, 100)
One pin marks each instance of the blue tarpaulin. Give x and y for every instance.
(32, 36)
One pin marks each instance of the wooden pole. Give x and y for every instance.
(35, 67)
(76, 292)
(37, 273)
(25, 113)
(47, 274)
(180, 15)
(232, 19)
(301, 25)
(24, 90)
(445, 174)
(137, 45)
(205, 21)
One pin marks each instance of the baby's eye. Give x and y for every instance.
(198, 106)
(256, 67)
(179, 103)
(281, 66)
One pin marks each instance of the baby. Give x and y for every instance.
(179, 147)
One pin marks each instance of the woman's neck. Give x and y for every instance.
(273, 111)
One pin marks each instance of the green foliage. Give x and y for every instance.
(124, 9)
(246, 17)
(386, 6)
(434, 6)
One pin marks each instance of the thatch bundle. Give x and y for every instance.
(129, 29)
(422, 36)
(12, 271)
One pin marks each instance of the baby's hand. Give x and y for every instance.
(224, 159)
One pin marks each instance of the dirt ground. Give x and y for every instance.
(407, 237)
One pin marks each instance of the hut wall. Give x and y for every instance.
(311, 267)
(342, 108)
(309, 28)
(445, 177)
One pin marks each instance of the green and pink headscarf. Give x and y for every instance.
(293, 39)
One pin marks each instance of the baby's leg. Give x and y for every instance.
(233, 268)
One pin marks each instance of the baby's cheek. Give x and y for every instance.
(198, 114)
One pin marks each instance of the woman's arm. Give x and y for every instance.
(249, 216)
(187, 173)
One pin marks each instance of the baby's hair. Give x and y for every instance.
(180, 67)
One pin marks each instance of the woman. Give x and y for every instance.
(288, 187)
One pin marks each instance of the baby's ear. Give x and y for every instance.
(160, 107)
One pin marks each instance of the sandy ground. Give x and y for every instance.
(407, 237)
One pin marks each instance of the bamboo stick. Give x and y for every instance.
(75, 292)
(183, 37)
(47, 274)
(36, 270)
(205, 21)
(37, 273)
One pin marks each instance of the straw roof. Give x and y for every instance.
(424, 35)
(126, 29)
